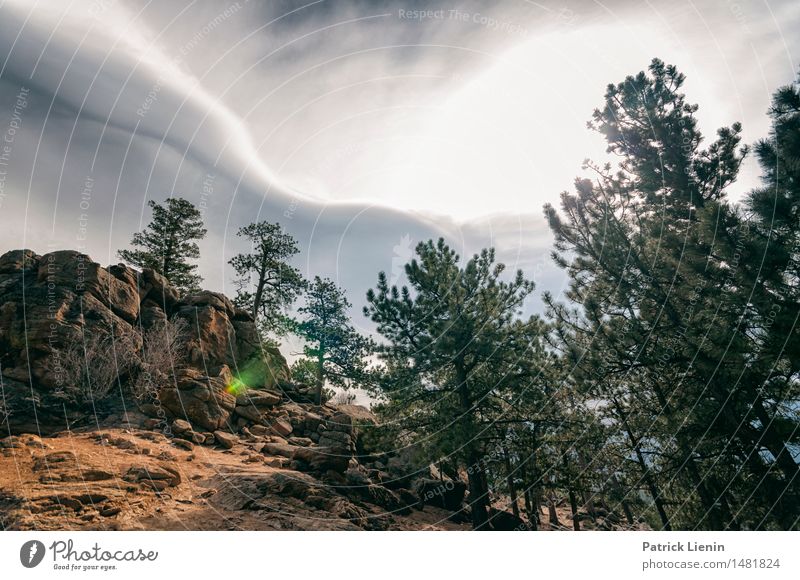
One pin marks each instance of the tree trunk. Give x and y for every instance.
(714, 506)
(320, 376)
(537, 501)
(588, 500)
(626, 506)
(654, 492)
(551, 508)
(512, 489)
(259, 295)
(478, 495)
(646, 474)
(531, 510)
(573, 505)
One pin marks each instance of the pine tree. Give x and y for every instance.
(336, 347)
(768, 276)
(267, 283)
(458, 350)
(169, 243)
(658, 333)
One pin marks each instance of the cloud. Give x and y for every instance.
(328, 117)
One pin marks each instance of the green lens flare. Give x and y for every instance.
(236, 387)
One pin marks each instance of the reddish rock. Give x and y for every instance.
(155, 290)
(227, 440)
(280, 427)
(50, 302)
(201, 400)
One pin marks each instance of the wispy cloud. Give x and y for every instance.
(354, 124)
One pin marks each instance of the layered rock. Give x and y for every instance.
(50, 303)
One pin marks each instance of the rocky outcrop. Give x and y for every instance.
(230, 397)
(50, 303)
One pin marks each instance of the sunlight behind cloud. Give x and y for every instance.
(514, 136)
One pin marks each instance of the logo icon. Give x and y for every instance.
(31, 553)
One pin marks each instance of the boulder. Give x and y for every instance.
(446, 494)
(280, 449)
(265, 368)
(277, 367)
(311, 422)
(220, 336)
(200, 400)
(248, 341)
(258, 430)
(387, 499)
(152, 473)
(249, 412)
(262, 400)
(183, 444)
(18, 260)
(210, 334)
(359, 415)
(404, 469)
(503, 521)
(409, 498)
(156, 290)
(181, 426)
(151, 315)
(340, 422)
(227, 440)
(252, 404)
(280, 427)
(336, 439)
(321, 459)
(297, 392)
(207, 298)
(68, 268)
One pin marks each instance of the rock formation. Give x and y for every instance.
(49, 303)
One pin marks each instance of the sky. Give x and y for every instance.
(362, 127)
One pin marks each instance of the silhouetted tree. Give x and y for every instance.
(169, 243)
(335, 346)
(666, 335)
(267, 284)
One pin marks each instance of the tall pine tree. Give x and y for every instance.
(457, 350)
(337, 350)
(267, 284)
(169, 243)
(657, 332)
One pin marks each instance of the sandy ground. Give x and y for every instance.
(131, 479)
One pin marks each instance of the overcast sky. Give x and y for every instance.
(363, 127)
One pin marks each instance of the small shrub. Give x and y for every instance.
(163, 352)
(87, 368)
(343, 398)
